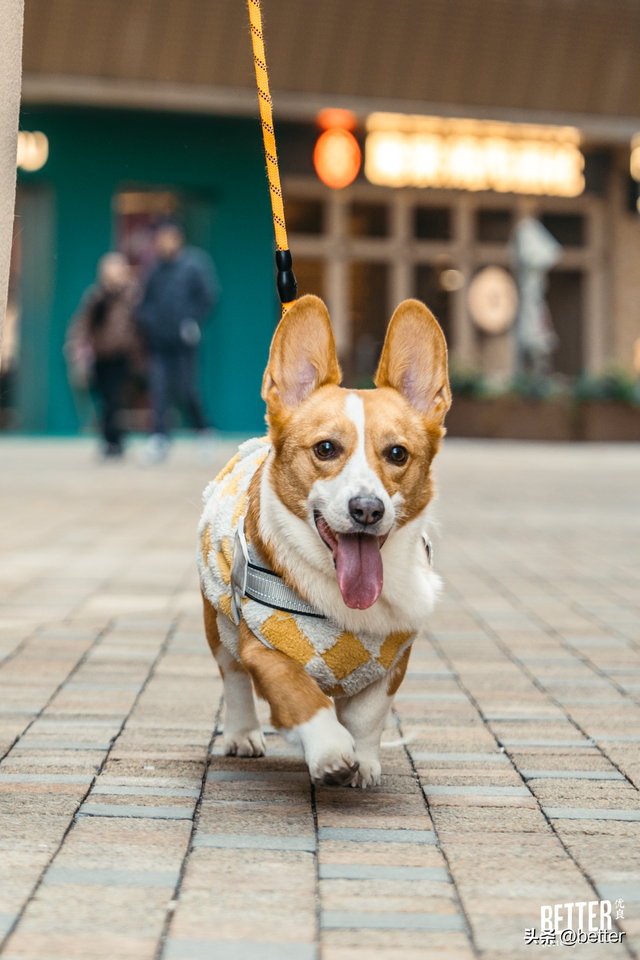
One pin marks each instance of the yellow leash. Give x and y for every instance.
(286, 282)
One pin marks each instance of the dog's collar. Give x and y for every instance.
(251, 577)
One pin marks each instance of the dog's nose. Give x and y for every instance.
(366, 510)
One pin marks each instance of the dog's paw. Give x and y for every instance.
(334, 763)
(334, 770)
(369, 773)
(245, 743)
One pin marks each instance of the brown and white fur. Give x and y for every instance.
(295, 488)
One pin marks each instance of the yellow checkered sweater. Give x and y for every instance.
(340, 662)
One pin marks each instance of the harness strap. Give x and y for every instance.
(266, 587)
(251, 578)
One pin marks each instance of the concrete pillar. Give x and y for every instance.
(596, 312)
(463, 334)
(338, 275)
(11, 20)
(402, 268)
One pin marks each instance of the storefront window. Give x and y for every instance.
(373, 248)
(568, 229)
(369, 220)
(304, 216)
(432, 223)
(368, 289)
(494, 226)
(564, 296)
(429, 289)
(310, 276)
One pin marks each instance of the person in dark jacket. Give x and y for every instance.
(103, 342)
(179, 294)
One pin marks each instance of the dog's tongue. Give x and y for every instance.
(359, 569)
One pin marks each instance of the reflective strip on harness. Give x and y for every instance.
(268, 588)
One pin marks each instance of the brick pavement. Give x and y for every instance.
(125, 834)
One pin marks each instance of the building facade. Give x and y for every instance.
(149, 108)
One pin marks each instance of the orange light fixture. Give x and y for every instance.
(336, 117)
(337, 156)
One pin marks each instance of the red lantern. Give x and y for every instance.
(337, 156)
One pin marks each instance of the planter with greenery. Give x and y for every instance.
(608, 407)
(546, 408)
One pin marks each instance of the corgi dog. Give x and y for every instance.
(313, 558)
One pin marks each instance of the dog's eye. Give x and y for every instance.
(397, 454)
(325, 450)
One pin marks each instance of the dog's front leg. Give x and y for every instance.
(365, 715)
(242, 732)
(300, 711)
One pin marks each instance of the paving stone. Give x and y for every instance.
(435, 791)
(106, 910)
(44, 778)
(616, 738)
(454, 951)
(79, 687)
(365, 835)
(278, 776)
(61, 745)
(474, 775)
(354, 920)
(21, 710)
(202, 915)
(237, 950)
(405, 696)
(573, 744)
(130, 810)
(89, 947)
(112, 878)
(593, 702)
(143, 791)
(6, 922)
(253, 842)
(461, 757)
(438, 943)
(577, 813)
(368, 872)
(376, 854)
(571, 775)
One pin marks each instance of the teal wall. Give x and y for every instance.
(67, 226)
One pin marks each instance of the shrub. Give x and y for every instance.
(615, 385)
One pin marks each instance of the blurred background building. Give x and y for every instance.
(148, 107)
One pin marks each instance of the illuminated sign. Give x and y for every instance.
(415, 151)
(33, 150)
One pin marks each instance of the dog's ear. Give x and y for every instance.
(302, 356)
(414, 360)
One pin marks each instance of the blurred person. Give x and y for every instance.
(180, 292)
(104, 341)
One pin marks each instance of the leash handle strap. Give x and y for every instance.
(286, 283)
